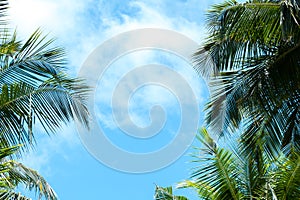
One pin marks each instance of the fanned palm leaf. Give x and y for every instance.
(51, 103)
(32, 62)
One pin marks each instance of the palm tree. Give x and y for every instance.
(34, 87)
(14, 174)
(227, 173)
(253, 56)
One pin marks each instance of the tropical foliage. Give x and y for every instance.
(34, 88)
(224, 173)
(34, 91)
(166, 194)
(230, 174)
(252, 58)
(14, 174)
(253, 54)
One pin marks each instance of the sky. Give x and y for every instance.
(64, 159)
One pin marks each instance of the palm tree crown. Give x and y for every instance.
(252, 57)
(229, 173)
(35, 88)
(253, 51)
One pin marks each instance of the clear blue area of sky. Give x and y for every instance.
(80, 26)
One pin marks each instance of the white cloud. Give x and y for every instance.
(81, 26)
(57, 16)
(133, 103)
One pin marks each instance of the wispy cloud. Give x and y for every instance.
(49, 148)
(81, 26)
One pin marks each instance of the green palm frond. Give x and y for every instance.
(13, 174)
(32, 62)
(253, 51)
(241, 32)
(11, 195)
(256, 176)
(288, 180)
(21, 104)
(217, 169)
(236, 174)
(32, 180)
(252, 60)
(166, 194)
(240, 171)
(35, 89)
(204, 190)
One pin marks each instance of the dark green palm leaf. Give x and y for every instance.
(51, 105)
(253, 51)
(34, 88)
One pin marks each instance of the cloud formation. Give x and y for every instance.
(81, 26)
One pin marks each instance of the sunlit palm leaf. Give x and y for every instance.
(13, 174)
(236, 174)
(204, 190)
(166, 194)
(288, 181)
(217, 169)
(34, 62)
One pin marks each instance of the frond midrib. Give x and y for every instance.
(227, 178)
(289, 183)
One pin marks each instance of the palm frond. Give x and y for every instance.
(11, 195)
(166, 194)
(204, 190)
(50, 105)
(288, 181)
(253, 52)
(13, 173)
(35, 88)
(241, 172)
(33, 63)
(32, 180)
(218, 170)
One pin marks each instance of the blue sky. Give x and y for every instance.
(80, 27)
